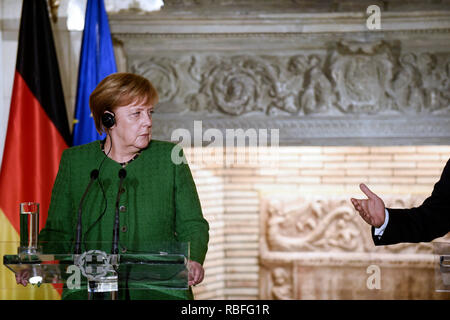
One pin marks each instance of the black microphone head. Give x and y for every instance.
(94, 174)
(122, 173)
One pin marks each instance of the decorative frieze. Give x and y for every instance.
(317, 247)
(310, 97)
(355, 78)
(312, 70)
(326, 224)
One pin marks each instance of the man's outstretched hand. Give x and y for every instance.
(371, 209)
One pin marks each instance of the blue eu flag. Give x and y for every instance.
(96, 62)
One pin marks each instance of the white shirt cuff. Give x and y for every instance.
(379, 231)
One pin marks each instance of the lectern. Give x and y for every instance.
(442, 266)
(95, 274)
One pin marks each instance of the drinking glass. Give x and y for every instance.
(29, 227)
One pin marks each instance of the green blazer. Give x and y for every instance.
(159, 204)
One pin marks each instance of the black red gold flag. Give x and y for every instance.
(37, 133)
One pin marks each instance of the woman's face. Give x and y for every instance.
(133, 128)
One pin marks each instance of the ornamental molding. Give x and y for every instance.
(246, 7)
(410, 130)
(123, 36)
(318, 247)
(327, 88)
(353, 78)
(326, 224)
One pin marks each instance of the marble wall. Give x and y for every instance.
(287, 230)
(316, 73)
(323, 77)
(315, 247)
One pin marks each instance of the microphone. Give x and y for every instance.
(94, 176)
(115, 244)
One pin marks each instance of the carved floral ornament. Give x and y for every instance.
(303, 237)
(353, 78)
(326, 224)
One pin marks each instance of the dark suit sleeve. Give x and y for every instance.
(425, 223)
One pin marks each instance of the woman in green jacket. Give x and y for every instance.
(159, 201)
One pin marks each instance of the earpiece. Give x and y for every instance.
(108, 119)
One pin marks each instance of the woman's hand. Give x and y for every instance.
(196, 273)
(22, 277)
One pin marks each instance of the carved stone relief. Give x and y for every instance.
(317, 247)
(354, 78)
(311, 69)
(162, 72)
(319, 224)
(282, 283)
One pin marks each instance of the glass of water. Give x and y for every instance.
(29, 227)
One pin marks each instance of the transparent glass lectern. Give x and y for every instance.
(442, 266)
(92, 272)
(144, 266)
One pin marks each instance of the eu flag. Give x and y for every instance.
(96, 62)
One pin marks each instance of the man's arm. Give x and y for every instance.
(421, 224)
(425, 223)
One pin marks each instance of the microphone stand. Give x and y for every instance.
(77, 251)
(115, 243)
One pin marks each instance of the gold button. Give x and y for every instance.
(122, 208)
(124, 249)
(124, 229)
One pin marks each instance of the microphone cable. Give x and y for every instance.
(103, 191)
(78, 241)
(115, 242)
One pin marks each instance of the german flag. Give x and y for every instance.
(37, 134)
